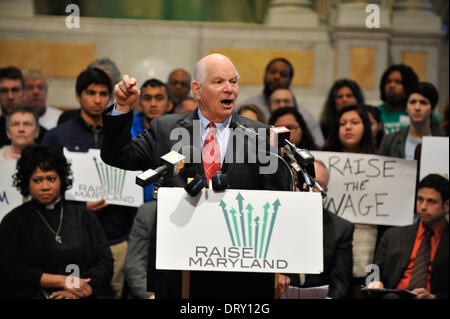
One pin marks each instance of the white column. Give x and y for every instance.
(416, 29)
(292, 14)
(349, 31)
(352, 13)
(414, 15)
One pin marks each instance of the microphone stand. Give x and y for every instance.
(271, 153)
(300, 171)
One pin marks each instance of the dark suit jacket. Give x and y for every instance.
(145, 151)
(393, 254)
(337, 257)
(394, 144)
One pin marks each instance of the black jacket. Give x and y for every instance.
(394, 251)
(144, 152)
(28, 249)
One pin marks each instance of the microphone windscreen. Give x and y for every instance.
(277, 135)
(220, 182)
(195, 186)
(193, 156)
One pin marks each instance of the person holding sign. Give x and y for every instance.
(416, 257)
(353, 134)
(420, 107)
(216, 88)
(83, 132)
(48, 247)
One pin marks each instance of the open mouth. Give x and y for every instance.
(226, 102)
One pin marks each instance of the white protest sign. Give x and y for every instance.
(434, 157)
(94, 180)
(10, 197)
(370, 189)
(240, 231)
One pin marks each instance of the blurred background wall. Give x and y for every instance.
(324, 39)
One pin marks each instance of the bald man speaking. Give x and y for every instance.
(210, 127)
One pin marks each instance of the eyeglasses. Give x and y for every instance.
(13, 90)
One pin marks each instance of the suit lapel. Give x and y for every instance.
(407, 240)
(440, 251)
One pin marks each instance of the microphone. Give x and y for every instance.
(196, 185)
(278, 135)
(281, 139)
(302, 156)
(173, 163)
(220, 182)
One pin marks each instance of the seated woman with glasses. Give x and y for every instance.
(48, 247)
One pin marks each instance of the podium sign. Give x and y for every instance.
(10, 197)
(239, 230)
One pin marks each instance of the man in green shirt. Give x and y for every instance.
(395, 86)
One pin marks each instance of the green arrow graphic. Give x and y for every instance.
(276, 204)
(249, 220)
(223, 205)
(233, 214)
(266, 213)
(115, 181)
(256, 234)
(241, 214)
(103, 174)
(98, 171)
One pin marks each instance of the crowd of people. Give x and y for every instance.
(114, 246)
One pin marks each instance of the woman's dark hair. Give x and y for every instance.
(329, 111)
(409, 79)
(333, 143)
(428, 90)
(436, 182)
(255, 109)
(307, 140)
(376, 113)
(93, 75)
(47, 158)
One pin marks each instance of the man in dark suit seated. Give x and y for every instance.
(337, 250)
(211, 128)
(415, 257)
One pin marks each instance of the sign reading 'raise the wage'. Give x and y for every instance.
(370, 189)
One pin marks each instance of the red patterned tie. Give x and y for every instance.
(211, 153)
(420, 269)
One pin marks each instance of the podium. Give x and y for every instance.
(246, 233)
